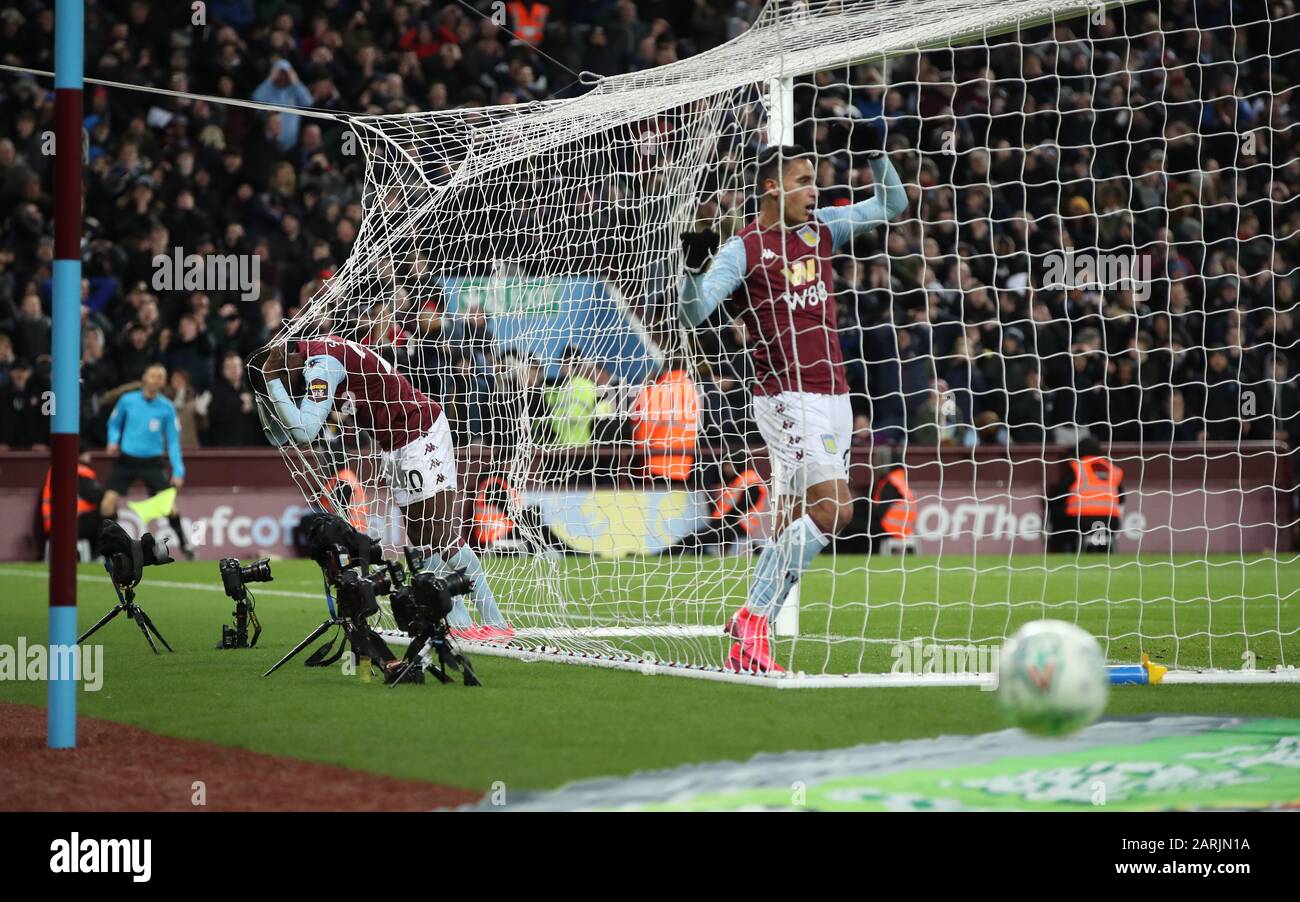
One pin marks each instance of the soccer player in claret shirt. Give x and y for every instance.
(775, 275)
(411, 430)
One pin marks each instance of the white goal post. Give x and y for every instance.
(1097, 246)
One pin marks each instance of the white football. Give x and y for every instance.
(1052, 678)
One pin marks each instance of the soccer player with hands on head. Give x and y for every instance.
(302, 382)
(776, 277)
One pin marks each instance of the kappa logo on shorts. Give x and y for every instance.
(428, 449)
(828, 442)
(318, 390)
(441, 478)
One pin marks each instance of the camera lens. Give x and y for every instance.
(257, 572)
(457, 583)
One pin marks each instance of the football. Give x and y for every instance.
(1052, 678)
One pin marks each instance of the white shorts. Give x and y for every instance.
(808, 437)
(424, 467)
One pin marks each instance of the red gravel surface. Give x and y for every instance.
(122, 768)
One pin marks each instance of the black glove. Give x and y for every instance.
(698, 249)
(872, 140)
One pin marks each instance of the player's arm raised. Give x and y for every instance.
(322, 375)
(889, 201)
(700, 293)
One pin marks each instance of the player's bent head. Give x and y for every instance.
(294, 362)
(278, 360)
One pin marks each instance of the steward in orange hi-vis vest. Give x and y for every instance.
(1095, 490)
(345, 496)
(738, 513)
(667, 418)
(84, 505)
(893, 505)
(529, 21)
(492, 506)
(1085, 506)
(746, 497)
(89, 495)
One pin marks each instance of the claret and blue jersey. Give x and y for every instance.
(787, 277)
(384, 401)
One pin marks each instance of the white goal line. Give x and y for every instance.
(651, 667)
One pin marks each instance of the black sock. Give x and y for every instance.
(175, 521)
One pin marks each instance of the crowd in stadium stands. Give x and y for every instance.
(1184, 160)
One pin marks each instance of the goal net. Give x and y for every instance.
(1097, 257)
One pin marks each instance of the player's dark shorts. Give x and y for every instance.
(127, 469)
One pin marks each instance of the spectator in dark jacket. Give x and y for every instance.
(137, 350)
(32, 328)
(190, 349)
(23, 419)
(98, 378)
(1222, 401)
(1284, 405)
(7, 358)
(232, 418)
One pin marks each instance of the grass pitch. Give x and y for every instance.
(538, 725)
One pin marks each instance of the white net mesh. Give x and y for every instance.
(1098, 244)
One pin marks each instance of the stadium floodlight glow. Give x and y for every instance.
(1026, 133)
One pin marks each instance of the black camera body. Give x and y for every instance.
(420, 608)
(233, 579)
(420, 605)
(427, 600)
(331, 541)
(234, 576)
(237, 636)
(358, 596)
(126, 557)
(331, 538)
